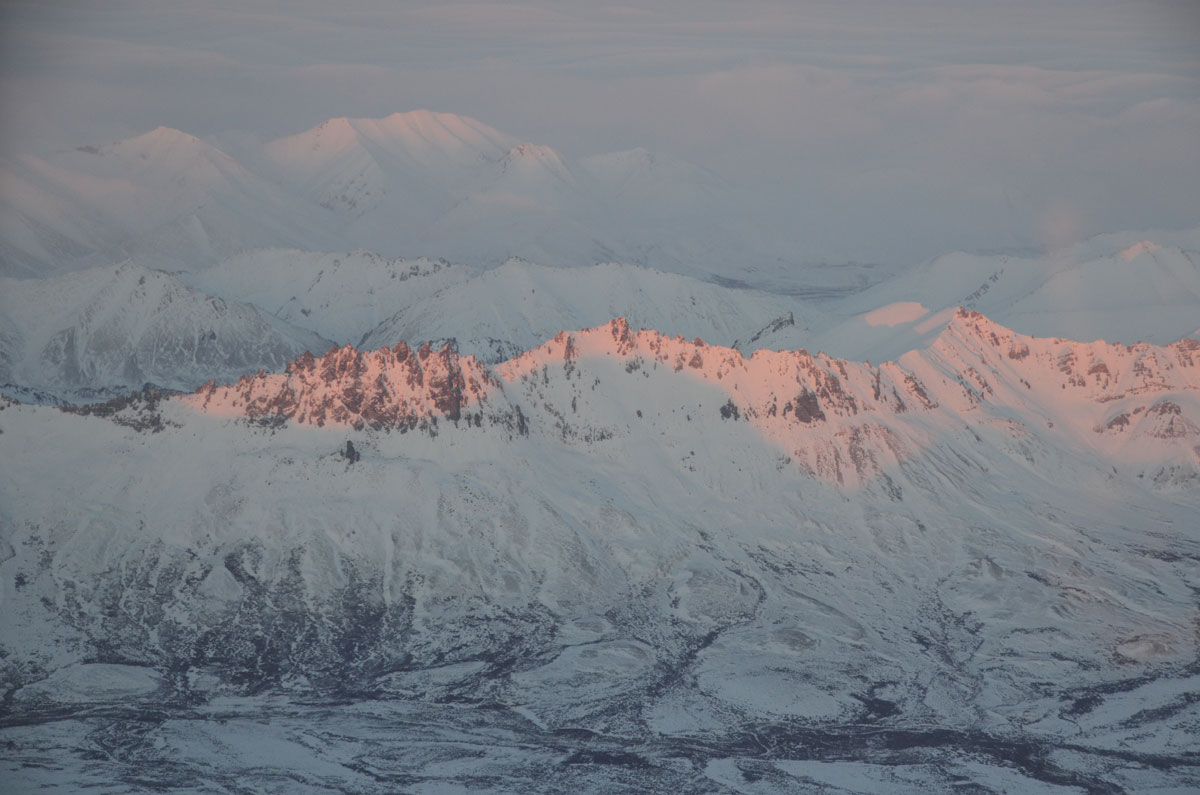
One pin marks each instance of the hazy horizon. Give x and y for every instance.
(863, 131)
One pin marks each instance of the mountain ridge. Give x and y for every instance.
(843, 421)
(409, 184)
(115, 328)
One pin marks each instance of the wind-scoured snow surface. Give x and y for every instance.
(620, 561)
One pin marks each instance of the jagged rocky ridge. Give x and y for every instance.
(395, 387)
(840, 420)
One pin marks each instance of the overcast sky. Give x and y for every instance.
(881, 130)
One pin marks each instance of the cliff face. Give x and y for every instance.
(395, 387)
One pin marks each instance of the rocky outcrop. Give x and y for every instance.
(395, 387)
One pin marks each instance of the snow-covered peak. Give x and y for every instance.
(420, 139)
(389, 178)
(532, 156)
(165, 197)
(340, 296)
(163, 153)
(444, 131)
(119, 327)
(530, 303)
(1088, 390)
(327, 137)
(536, 173)
(1138, 249)
(157, 140)
(1144, 291)
(843, 421)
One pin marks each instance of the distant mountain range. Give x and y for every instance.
(417, 183)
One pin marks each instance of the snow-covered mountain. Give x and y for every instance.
(514, 307)
(447, 185)
(110, 330)
(386, 182)
(1140, 291)
(441, 153)
(842, 421)
(643, 181)
(357, 298)
(164, 197)
(624, 556)
(411, 184)
(1104, 288)
(340, 296)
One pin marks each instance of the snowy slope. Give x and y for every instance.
(411, 184)
(639, 180)
(618, 557)
(115, 328)
(43, 229)
(384, 180)
(1121, 291)
(331, 165)
(531, 203)
(347, 298)
(442, 151)
(164, 197)
(444, 185)
(338, 296)
(519, 304)
(1144, 292)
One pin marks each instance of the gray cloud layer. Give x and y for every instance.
(866, 129)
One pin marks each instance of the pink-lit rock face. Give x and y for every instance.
(393, 387)
(844, 422)
(830, 417)
(1089, 387)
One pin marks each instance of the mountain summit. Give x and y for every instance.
(846, 422)
(418, 183)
